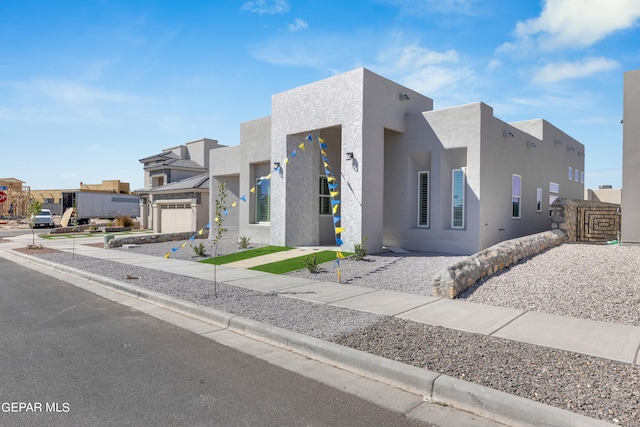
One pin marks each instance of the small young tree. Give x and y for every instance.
(33, 210)
(217, 229)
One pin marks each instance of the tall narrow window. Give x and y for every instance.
(554, 189)
(539, 200)
(457, 198)
(516, 195)
(582, 177)
(423, 199)
(570, 173)
(577, 175)
(324, 196)
(263, 202)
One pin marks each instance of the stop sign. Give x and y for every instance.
(3, 197)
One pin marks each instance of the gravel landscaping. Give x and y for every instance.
(588, 281)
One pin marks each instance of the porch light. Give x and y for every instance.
(349, 155)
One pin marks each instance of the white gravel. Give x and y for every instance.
(589, 281)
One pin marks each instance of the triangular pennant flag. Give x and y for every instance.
(335, 209)
(301, 146)
(324, 145)
(339, 241)
(309, 137)
(183, 245)
(268, 176)
(233, 205)
(174, 249)
(217, 219)
(332, 186)
(331, 178)
(324, 159)
(336, 263)
(339, 254)
(335, 202)
(253, 189)
(167, 255)
(326, 165)
(286, 160)
(319, 139)
(334, 193)
(293, 153)
(209, 224)
(200, 231)
(192, 238)
(336, 218)
(244, 199)
(226, 212)
(339, 230)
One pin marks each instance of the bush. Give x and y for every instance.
(243, 242)
(359, 251)
(311, 263)
(123, 221)
(200, 250)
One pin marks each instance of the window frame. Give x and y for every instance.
(422, 208)
(259, 185)
(516, 196)
(453, 198)
(570, 174)
(324, 194)
(538, 199)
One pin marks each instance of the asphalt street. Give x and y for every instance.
(69, 357)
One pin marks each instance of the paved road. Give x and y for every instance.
(74, 358)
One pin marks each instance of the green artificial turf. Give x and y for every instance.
(294, 264)
(251, 253)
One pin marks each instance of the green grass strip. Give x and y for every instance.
(251, 253)
(294, 264)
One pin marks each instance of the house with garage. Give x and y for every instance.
(358, 156)
(175, 197)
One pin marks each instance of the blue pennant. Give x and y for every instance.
(336, 219)
(174, 249)
(339, 241)
(309, 137)
(335, 202)
(226, 212)
(244, 199)
(324, 145)
(293, 153)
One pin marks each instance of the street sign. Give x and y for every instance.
(3, 188)
(3, 197)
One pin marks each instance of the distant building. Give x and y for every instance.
(18, 195)
(631, 159)
(604, 193)
(392, 169)
(52, 198)
(175, 197)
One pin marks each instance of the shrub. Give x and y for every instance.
(200, 250)
(359, 251)
(243, 242)
(124, 221)
(311, 263)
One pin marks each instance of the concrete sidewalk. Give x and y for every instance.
(606, 340)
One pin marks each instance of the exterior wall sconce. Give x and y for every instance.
(276, 165)
(557, 142)
(404, 97)
(571, 149)
(507, 134)
(349, 155)
(531, 144)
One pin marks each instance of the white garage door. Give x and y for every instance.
(176, 217)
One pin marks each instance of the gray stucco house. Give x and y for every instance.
(630, 225)
(455, 180)
(175, 197)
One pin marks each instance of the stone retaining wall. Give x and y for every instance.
(464, 274)
(154, 238)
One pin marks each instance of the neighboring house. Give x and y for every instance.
(455, 180)
(52, 198)
(605, 194)
(175, 197)
(18, 195)
(631, 159)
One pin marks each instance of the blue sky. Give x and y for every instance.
(88, 87)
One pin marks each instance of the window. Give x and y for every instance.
(457, 198)
(582, 177)
(324, 196)
(539, 200)
(423, 199)
(516, 195)
(577, 175)
(263, 202)
(554, 189)
(570, 173)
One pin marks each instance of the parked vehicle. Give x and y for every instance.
(89, 205)
(44, 218)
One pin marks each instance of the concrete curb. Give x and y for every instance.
(436, 388)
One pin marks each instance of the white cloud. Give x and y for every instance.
(576, 23)
(298, 25)
(270, 7)
(552, 73)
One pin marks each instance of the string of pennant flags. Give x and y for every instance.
(334, 192)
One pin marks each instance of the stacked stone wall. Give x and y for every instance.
(154, 238)
(464, 274)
